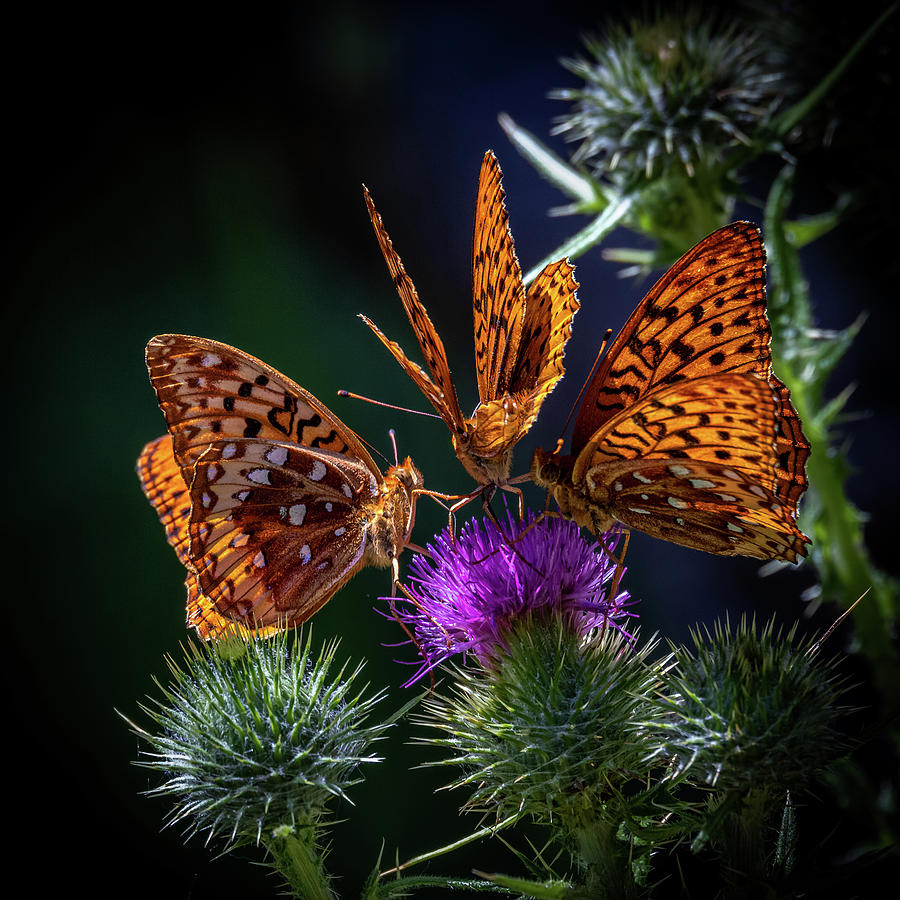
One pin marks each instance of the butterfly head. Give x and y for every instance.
(546, 469)
(392, 518)
(406, 475)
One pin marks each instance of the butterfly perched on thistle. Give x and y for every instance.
(520, 337)
(684, 432)
(270, 501)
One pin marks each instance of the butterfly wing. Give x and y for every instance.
(698, 463)
(439, 389)
(163, 485)
(731, 516)
(419, 376)
(209, 391)
(500, 424)
(498, 295)
(705, 315)
(791, 449)
(550, 307)
(276, 529)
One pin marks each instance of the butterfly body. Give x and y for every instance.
(520, 337)
(685, 433)
(485, 448)
(269, 500)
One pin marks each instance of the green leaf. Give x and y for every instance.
(801, 232)
(558, 172)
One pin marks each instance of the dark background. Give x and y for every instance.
(181, 168)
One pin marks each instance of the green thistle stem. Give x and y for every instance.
(839, 554)
(404, 887)
(742, 847)
(606, 857)
(792, 117)
(298, 862)
(487, 831)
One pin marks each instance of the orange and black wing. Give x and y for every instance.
(706, 315)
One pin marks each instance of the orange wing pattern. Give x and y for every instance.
(498, 292)
(207, 390)
(550, 306)
(441, 391)
(160, 477)
(706, 315)
(269, 500)
(684, 432)
(520, 337)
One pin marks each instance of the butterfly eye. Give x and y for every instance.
(548, 471)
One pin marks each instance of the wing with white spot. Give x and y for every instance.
(210, 391)
(698, 463)
(703, 505)
(276, 529)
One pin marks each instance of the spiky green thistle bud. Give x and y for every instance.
(556, 731)
(254, 738)
(665, 93)
(749, 708)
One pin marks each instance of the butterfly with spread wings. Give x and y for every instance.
(520, 338)
(269, 500)
(684, 431)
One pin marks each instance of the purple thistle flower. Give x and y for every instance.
(469, 593)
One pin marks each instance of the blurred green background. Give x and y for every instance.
(198, 169)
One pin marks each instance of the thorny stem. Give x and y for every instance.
(299, 863)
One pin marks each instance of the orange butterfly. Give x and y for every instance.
(270, 501)
(684, 432)
(520, 337)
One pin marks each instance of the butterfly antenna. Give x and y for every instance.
(374, 449)
(418, 412)
(586, 382)
(393, 436)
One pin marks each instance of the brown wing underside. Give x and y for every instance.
(276, 529)
(730, 515)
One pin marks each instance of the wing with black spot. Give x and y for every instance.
(209, 391)
(706, 315)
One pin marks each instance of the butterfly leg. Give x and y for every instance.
(510, 542)
(618, 560)
(465, 498)
(546, 513)
(395, 615)
(511, 489)
(461, 501)
(415, 602)
(620, 566)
